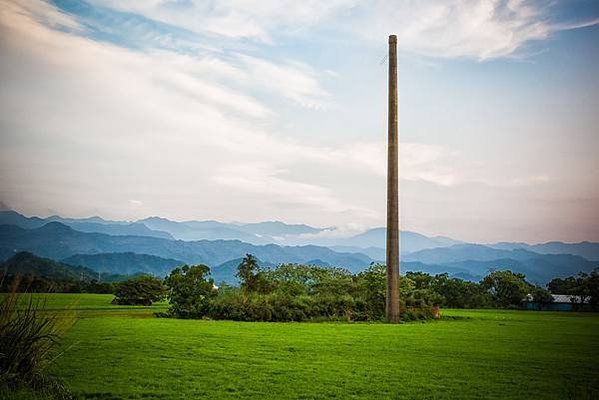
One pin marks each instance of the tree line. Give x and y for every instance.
(295, 292)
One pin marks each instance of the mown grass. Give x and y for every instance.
(89, 305)
(124, 353)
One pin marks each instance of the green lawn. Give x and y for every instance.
(123, 352)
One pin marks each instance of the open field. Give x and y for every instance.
(123, 352)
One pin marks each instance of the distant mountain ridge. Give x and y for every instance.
(89, 225)
(199, 230)
(479, 260)
(371, 242)
(275, 232)
(588, 250)
(28, 264)
(155, 250)
(128, 263)
(58, 241)
(463, 252)
(255, 233)
(410, 241)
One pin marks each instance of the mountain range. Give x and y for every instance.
(57, 241)
(25, 263)
(276, 232)
(128, 263)
(154, 245)
(370, 242)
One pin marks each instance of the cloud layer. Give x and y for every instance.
(184, 128)
(480, 29)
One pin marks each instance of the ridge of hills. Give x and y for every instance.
(27, 264)
(370, 242)
(132, 254)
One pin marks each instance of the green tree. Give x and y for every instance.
(421, 280)
(293, 279)
(251, 276)
(563, 285)
(371, 289)
(506, 287)
(190, 290)
(459, 293)
(142, 290)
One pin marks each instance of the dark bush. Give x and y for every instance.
(233, 304)
(140, 291)
(309, 293)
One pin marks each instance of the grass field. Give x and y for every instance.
(119, 352)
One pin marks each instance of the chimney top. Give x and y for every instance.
(392, 38)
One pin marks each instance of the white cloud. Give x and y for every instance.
(296, 81)
(91, 127)
(480, 29)
(342, 231)
(256, 19)
(268, 183)
(458, 28)
(530, 180)
(146, 124)
(574, 25)
(164, 120)
(429, 163)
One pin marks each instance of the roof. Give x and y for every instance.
(567, 298)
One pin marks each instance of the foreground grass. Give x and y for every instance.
(122, 353)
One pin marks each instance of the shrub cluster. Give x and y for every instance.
(290, 292)
(294, 292)
(140, 291)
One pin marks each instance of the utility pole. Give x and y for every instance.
(392, 299)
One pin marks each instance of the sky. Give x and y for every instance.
(276, 110)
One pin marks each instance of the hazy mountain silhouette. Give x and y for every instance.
(410, 241)
(106, 247)
(479, 260)
(371, 241)
(588, 250)
(125, 263)
(58, 241)
(93, 224)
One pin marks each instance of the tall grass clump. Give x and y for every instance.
(30, 342)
